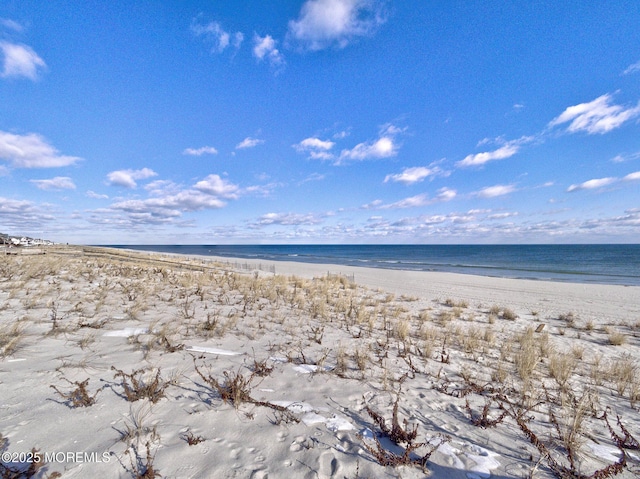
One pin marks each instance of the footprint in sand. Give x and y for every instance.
(297, 444)
(328, 465)
(236, 450)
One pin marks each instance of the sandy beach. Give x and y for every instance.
(116, 363)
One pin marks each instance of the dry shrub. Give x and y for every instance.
(142, 467)
(191, 438)
(236, 388)
(562, 471)
(567, 416)
(627, 441)
(403, 436)
(261, 368)
(139, 384)
(482, 420)
(78, 397)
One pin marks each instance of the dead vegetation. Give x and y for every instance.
(78, 397)
(404, 436)
(141, 384)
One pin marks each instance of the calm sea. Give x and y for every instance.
(610, 264)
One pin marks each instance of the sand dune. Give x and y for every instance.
(194, 367)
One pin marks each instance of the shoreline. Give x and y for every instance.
(116, 361)
(585, 264)
(590, 301)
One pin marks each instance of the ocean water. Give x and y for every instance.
(607, 264)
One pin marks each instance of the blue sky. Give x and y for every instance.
(320, 121)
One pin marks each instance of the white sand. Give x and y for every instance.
(315, 334)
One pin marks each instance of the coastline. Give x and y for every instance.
(588, 263)
(197, 366)
(591, 301)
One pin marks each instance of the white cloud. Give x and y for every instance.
(312, 177)
(315, 147)
(383, 147)
(288, 219)
(325, 23)
(11, 25)
(411, 202)
(501, 216)
(375, 204)
(413, 175)
(171, 205)
(497, 190)
(169, 202)
(623, 158)
(20, 215)
(57, 183)
(599, 183)
(597, 116)
(260, 190)
(249, 142)
(264, 48)
(20, 61)
(214, 185)
(162, 187)
(215, 34)
(205, 150)
(314, 144)
(632, 68)
(31, 151)
(238, 38)
(97, 196)
(592, 184)
(444, 194)
(505, 151)
(127, 178)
